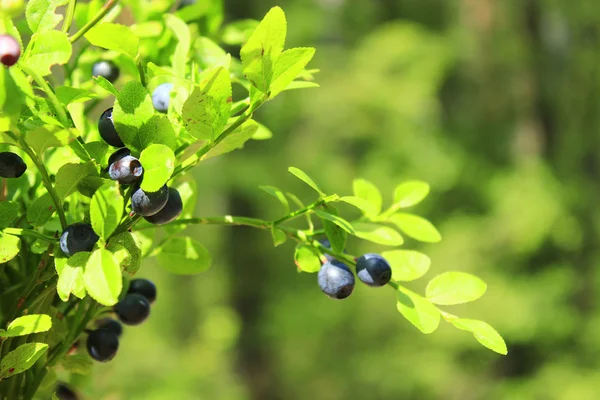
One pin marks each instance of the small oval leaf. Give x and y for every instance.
(409, 193)
(483, 332)
(377, 233)
(455, 287)
(418, 310)
(184, 256)
(407, 265)
(416, 227)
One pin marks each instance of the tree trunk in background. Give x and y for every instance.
(249, 283)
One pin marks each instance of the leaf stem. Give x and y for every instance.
(69, 16)
(45, 177)
(304, 210)
(56, 104)
(91, 23)
(30, 233)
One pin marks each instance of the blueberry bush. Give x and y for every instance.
(100, 125)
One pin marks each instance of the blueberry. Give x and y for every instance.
(336, 280)
(161, 97)
(373, 269)
(10, 50)
(170, 211)
(63, 392)
(11, 165)
(106, 69)
(117, 155)
(126, 170)
(107, 130)
(102, 345)
(78, 237)
(149, 203)
(144, 287)
(133, 309)
(111, 325)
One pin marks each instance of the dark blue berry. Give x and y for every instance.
(336, 280)
(10, 50)
(373, 269)
(326, 243)
(78, 237)
(133, 309)
(11, 165)
(111, 325)
(117, 155)
(126, 170)
(170, 211)
(107, 70)
(107, 130)
(161, 97)
(143, 287)
(102, 345)
(149, 203)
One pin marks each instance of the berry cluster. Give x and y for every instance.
(337, 280)
(103, 342)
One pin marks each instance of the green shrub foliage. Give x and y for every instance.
(77, 208)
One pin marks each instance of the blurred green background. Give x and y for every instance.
(494, 103)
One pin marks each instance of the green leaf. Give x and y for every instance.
(106, 85)
(451, 288)
(418, 310)
(77, 364)
(483, 332)
(278, 236)
(11, 99)
(337, 235)
(206, 111)
(127, 241)
(90, 184)
(233, 141)
(416, 227)
(41, 16)
(70, 275)
(9, 211)
(307, 259)
(409, 193)
(407, 265)
(135, 121)
(102, 277)
(21, 359)
(106, 209)
(70, 175)
(288, 66)
(210, 54)
(9, 247)
(28, 324)
(68, 95)
(342, 223)
(367, 207)
(115, 37)
(182, 32)
(97, 151)
(159, 163)
(48, 49)
(262, 133)
(278, 194)
(184, 256)
(367, 191)
(238, 32)
(298, 173)
(377, 233)
(41, 210)
(263, 48)
(47, 136)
